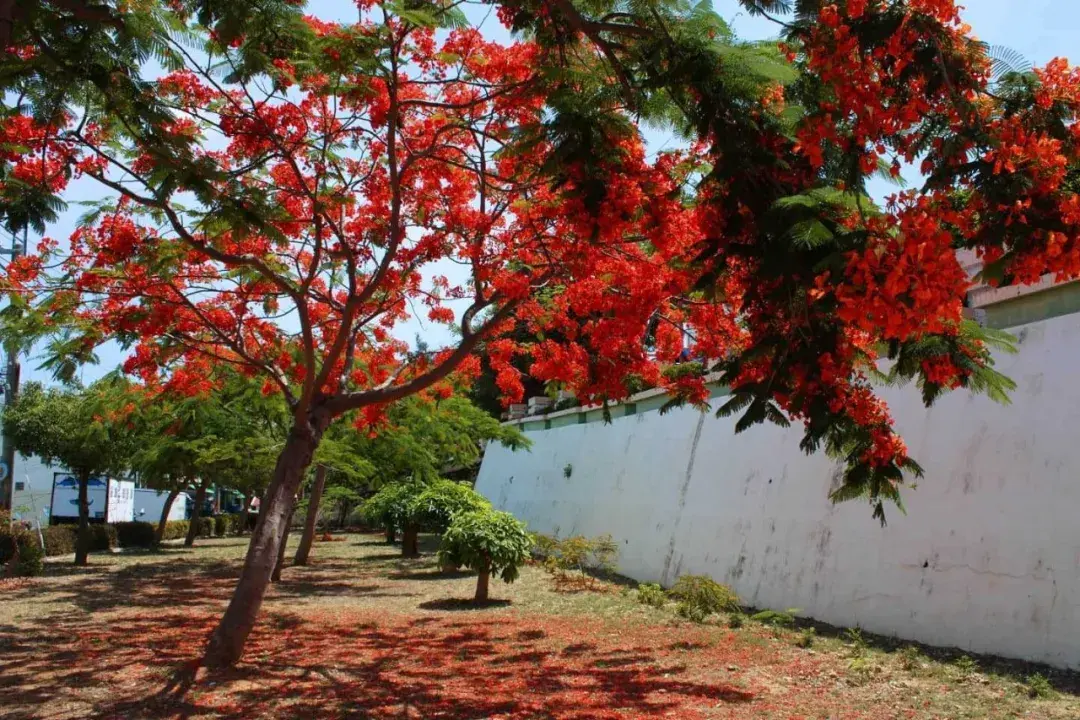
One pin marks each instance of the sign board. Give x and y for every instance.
(121, 502)
(65, 500)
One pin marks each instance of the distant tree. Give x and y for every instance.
(87, 431)
(490, 542)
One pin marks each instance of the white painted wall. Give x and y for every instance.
(987, 558)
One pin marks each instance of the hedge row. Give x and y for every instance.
(61, 539)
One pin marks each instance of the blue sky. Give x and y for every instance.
(1037, 29)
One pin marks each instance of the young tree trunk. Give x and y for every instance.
(276, 575)
(410, 545)
(482, 581)
(82, 541)
(196, 513)
(160, 534)
(391, 535)
(246, 514)
(227, 642)
(312, 518)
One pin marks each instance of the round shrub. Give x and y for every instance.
(221, 525)
(487, 541)
(103, 537)
(135, 534)
(435, 507)
(206, 527)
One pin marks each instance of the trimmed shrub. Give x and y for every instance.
(59, 539)
(21, 543)
(206, 527)
(221, 525)
(700, 596)
(135, 534)
(102, 537)
(175, 530)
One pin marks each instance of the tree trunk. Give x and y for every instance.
(246, 514)
(276, 575)
(227, 643)
(82, 541)
(196, 513)
(160, 534)
(391, 535)
(312, 518)
(410, 545)
(482, 581)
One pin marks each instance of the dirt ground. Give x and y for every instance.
(364, 634)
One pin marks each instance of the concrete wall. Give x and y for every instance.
(987, 558)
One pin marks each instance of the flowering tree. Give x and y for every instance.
(290, 191)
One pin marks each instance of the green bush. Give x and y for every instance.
(221, 525)
(578, 553)
(487, 541)
(175, 530)
(18, 540)
(703, 596)
(389, 507)
(435, 507)
(59, 539)
(206, 527)
(135, 534)
(103, 537)
(236, 523)
(651, 594)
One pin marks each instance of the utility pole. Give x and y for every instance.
(11, 391)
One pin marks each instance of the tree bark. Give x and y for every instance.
(160, 534)
(227, 642)
(276, 575)
(482, 582)
(82, 540)
(410, 544)
(196, 513)
(312, 518)
(391, 535)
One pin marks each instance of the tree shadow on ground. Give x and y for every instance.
(458, 604)
(297, 667)
(434, 575)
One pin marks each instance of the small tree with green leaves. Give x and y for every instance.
(389, 506)
(491, 542)
(84, 430)
(435, 508)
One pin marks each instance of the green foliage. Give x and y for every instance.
(1039, 687)
(59, 539)
(389, 507)
(703, 596)
(486, 541)
(18, 540)
(577, 552)
(776, 618)
(911, 658)
(175, 529)
(135, 534)
(965, 666)
(652, 595)
(206, 527)
(436, 506)
(78, 429)
(103, 537)
(693, 613)
(806, 638)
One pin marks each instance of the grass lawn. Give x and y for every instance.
(364, 634)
